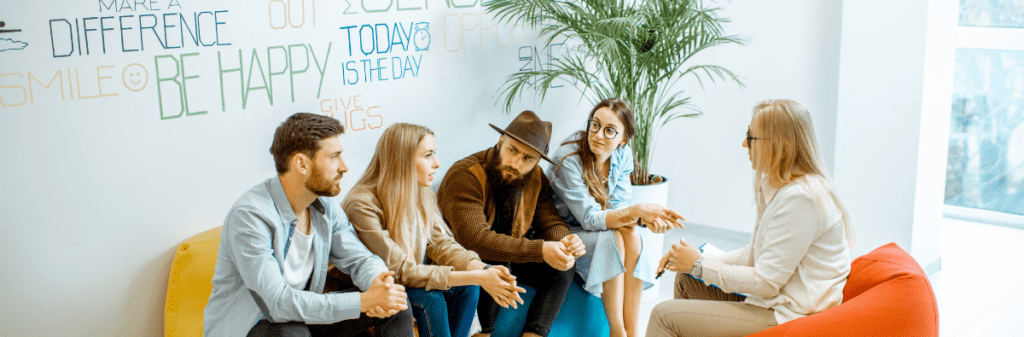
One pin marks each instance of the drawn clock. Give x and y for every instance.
(421, 38)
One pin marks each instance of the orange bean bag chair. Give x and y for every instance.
(887, 294)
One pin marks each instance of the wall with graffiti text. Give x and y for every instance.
(127, 126)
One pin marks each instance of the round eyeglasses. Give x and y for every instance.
(609, 132)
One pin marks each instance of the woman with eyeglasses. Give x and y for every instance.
(590, 177)
(396, 215)
(798, 259)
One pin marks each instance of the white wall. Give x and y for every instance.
(98, 192)
(937, 88)
(861, 72)
(892, 121)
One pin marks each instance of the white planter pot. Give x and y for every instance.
(654, 244)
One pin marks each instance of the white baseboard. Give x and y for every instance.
(933, 267)
(717, 232)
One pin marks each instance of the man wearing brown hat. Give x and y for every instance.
(498, 203)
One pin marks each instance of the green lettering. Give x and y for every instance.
(184, 85)
(270, 68)
(241, 79)
(291, 65)
(254, 61)
(159, 91)
(324, 69)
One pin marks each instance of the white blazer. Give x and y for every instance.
(797, 261)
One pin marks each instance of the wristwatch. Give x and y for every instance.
(697, 270)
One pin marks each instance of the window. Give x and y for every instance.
(992, 13)
(985, 169)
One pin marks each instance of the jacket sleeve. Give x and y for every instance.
(366, 218)
(571, 189)
(549, 224)
(352, 257)
(740, 257)
(443, 249)
(462, 203)
(252, 251)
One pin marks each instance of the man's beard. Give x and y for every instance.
(495, 172)
(321, 186)
(505, 191)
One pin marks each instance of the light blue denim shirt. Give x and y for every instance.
(586, 219)
(572, 199)
(251, 258)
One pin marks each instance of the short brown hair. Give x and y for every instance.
(302, 132)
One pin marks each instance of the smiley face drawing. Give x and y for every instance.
(135, 77)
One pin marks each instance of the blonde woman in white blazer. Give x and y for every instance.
(798, 259)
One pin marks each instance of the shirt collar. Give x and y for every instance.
(284, 208)
(615, 160)
(768, 191)
(619, 154)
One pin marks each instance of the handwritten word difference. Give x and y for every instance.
(131, 32)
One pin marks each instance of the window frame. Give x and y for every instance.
(991, 38)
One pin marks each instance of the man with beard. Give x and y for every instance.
(276, 242)
(499, 204)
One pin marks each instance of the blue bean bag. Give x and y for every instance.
(582, 314)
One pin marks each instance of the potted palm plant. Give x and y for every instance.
(634, 50)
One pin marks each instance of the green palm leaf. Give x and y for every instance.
(634, 51)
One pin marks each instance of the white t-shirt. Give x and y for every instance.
(298, 264)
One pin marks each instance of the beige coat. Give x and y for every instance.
(798, 260)
(442, 253)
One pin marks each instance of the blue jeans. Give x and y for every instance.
(551, 286)
(444, 313)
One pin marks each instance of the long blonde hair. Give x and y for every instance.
(408, 208)
(786, 151)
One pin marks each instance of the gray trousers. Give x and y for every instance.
(701, 310)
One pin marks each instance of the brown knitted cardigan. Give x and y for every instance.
(469, 209)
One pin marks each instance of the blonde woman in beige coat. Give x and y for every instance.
(798, 259)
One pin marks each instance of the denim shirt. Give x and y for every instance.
(250, 260)
(574, 202)
(586, 219)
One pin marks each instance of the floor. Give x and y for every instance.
(694, 236)
(980, 288)
(994, 308)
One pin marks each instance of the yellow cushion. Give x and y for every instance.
(189, 286)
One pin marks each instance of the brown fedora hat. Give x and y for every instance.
(529, 129)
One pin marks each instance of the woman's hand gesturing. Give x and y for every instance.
(658, 218)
